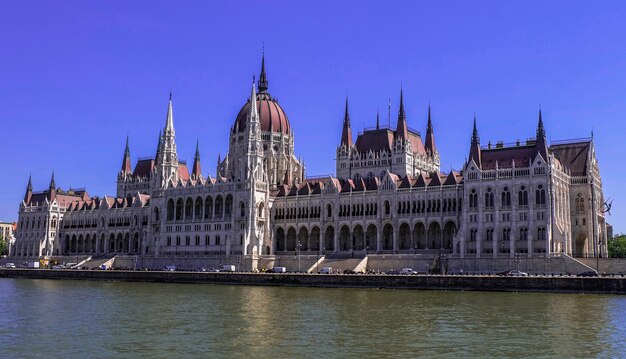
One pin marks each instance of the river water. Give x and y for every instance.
(83, 319)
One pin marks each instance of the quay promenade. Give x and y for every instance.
(553, 284)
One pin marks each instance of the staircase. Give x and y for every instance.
(341, 264)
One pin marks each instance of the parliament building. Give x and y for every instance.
(389, 196)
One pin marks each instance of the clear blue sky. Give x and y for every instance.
(78, 76)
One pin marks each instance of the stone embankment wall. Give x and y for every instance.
(611, 285)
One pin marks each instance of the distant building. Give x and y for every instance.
(7, 230)
(529, 198)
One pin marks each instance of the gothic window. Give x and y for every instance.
(169, 241)
(188, 209)
(540, 196)
(187, 241)
(473, 199)
(198, 208)
(179, 209)
(522, 196)
(387, 208)
(523, 234)
(329, 210)
(541, 233)
(506, 197)
(489, 198)
(242, 209)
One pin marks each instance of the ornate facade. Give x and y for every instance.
(389, 196)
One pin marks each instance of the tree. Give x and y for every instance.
(617, 247)
(3, 245)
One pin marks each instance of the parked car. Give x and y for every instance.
(227, 268)
(278, 270)
(326, 270)
(213, 270)
(504, 273)
(589, 273)
(516, 273)
(9, 265)
(393, 271)
(407, 271)
(170, 268)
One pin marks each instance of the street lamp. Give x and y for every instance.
(444, 264)
(518, 259)
(298, 247)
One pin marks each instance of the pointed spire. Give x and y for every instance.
(346, 132)
(253, 109)
(401, 128)
(541, 143)
(197, 170)
(158, 150)
(126, 166)
(52, 183)
(541, 132)
(52, 192)
(169, 121)
(29, 190)
(475, 137)
(219, 162)
(475, 152)
(263, 85)
(430, 136)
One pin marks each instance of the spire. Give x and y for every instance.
(346, 133)
(29, 190)
(169, 121)
(52, 184)
(219, 162)
(541, 132)
(158, 150)
(126, 166)
(475, 153)
(253, 109)
(430, 136)
(475, 137)
(541, 143)
(197, 170)
(52, 192)
(263, 85)
(401, 128)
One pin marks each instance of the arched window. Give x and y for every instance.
(522, 196)
(329, 210)
(188, 209)
(242, 208)
(506, 197)
(179, 209)
(540, 195)
(387, 208)
(489, 198)
(198, 208)
(170, 210)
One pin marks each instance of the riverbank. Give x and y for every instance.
(549, 284)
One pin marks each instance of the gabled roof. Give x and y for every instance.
(144, 167)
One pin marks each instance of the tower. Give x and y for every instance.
(167, 157)
(29, 191)
(196, 173)
(346, 132)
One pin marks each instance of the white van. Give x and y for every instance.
(326, 270)
(279, 270)
(227, 268)
(9, 265)
(407, 271)
(170, 268)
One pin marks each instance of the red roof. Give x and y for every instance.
(377, 140)
(143, 168)
(573, 156)
(270, 112)
(505, 156)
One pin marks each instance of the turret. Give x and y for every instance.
(475, 146)
(346, 133)
(167, 156)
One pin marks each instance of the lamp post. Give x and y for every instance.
(444, 264)
(298, 247)
(518, 259)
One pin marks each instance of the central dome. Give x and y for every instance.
(271, 115)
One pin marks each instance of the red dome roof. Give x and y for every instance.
(270, 114)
